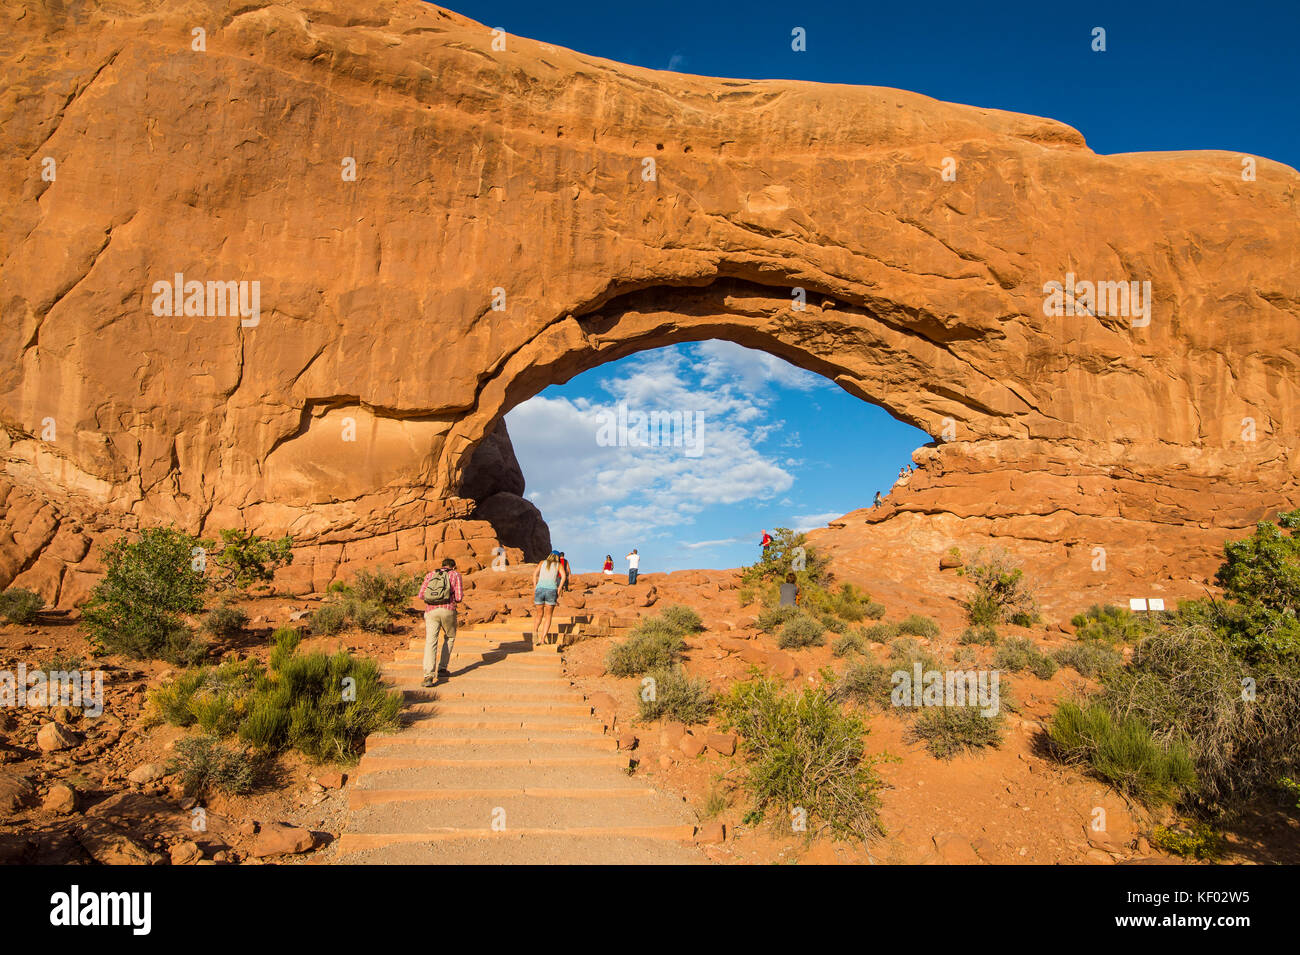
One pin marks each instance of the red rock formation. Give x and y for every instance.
(503, 232)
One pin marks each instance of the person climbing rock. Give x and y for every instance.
(876, 502)
(633, 566)
(441, 591)
(547, 581)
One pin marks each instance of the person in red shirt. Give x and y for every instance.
(767, 539)
(441, 591)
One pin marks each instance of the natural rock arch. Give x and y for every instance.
(524, 170)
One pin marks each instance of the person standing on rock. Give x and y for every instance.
(876, 502)
(766, 542)
(547, 581)
(609, 564)
(633, 566)
(441, 591)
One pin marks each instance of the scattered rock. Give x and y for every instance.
(724, 743)
(60, 799)
(276, 839)
(955, 849)
(692, 746)
(186, 853)
(16, 793)
(332, 779)
(109, 845)
(54, 736)
(711, 832)
(627, 741)
(147, 773)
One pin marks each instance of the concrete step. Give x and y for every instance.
(491, 759)
(462, 741)
(596, 776)
(359, 798)
(514, 724)
(520, 847)
(479, 814)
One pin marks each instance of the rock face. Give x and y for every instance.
(438, 228)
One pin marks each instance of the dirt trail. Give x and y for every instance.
(504, 763)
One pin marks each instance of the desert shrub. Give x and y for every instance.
(1260, 575)
(675, 696)
(225, 621)
(323, 706)
(682, 619)
(982, 635)
(652, 645)
(1290, 790)
(949, 730)
(773, 618)
(832, 623)
(148, 584)
(245, 559)
(866, 682)
(917, 625)
(1020, 653)
(1108, 624)
(369, 615)
(388, 590)
(1090, 659)
(789, 552)
(848, 603)
(1239, 720)
(20, 605)
(206, 765)
(801, 631)
(802, 750)
(1123, 752)
(329, 618)
(964, 655)
(852, 642)
(905, 653)
(1198, 841)
(880, 632)
(1001, 592)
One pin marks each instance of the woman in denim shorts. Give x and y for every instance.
(547, 581)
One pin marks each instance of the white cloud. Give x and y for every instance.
(806, 522)
(697, 545)
(618, 496)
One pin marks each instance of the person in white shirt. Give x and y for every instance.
(633, 566)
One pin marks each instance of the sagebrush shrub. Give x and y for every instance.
(1122, 751)
(225, 621)
(949, 730)
(682, 619)
(917, 625)
(801, 631)
(206, 765)
(1090, 659)
(648, 647)
(1020, 653)
(675, 696)
(802, 750)
(20, 605)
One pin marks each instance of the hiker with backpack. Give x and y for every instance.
(441, 591)
(547, 581)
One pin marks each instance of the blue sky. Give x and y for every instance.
(1175, 75)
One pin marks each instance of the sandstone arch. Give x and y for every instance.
(521, 169)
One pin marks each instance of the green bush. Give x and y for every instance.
(329, 618)
(1198, 841)
(369, 615)
(1260, 575)
(1090, 659)
(866, 682)
(1109, 624)
(148, 584)
(225, 621)
(390, 591)
(1122, 751)
(832, 623)
(676, 696)
(801, 631)
(802, 752)
(322, 705)
(854, 641)
(848, 604)
(905, 653)
(682, 619)
(917, 625)
(20, 605)
(206, 765)
(1001, 593)
(245, 559)
(982, 635)
(880, 632)
(1020, 653)
(652, 645)
(789, 552)
(949, 730)
(773, 618)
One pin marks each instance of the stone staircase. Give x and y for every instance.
(505, 763)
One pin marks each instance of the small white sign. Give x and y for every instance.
(1156, 603)
(1137, 603)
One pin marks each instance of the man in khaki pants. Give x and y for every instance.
(441, 591)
